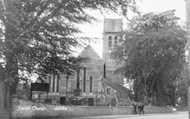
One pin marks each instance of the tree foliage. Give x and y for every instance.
(39, 35)
(153, 52)
(182, 85)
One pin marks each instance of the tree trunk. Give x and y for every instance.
(173, 97)
(145, 92)
(2, 87)
(12, 73)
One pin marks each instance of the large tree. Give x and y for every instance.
(153, 53)
(39, 35)
(181, 87)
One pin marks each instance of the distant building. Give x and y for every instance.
(88, 82)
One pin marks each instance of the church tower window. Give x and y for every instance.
(110, 41)
(91, 81)
(116, 40)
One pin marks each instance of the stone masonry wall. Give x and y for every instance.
(23, 109)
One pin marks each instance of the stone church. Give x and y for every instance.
(96, 81)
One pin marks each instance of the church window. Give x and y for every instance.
(58, 78)
(84, 80)
(53, 84)
(108, 91)
(78, 80)
(91, 81)
(110, 41)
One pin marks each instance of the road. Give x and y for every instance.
(176, 115)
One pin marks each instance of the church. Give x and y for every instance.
(96, 83)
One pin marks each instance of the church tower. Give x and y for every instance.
(112, 28)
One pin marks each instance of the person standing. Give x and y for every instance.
(141, 108)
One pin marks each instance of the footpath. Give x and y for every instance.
(174, 115)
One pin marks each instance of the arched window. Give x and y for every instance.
(91, 81)
(110, 41)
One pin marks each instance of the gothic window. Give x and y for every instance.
(53, 84)
(78, 80)
(58, 78)
(110, 41)
(84, 80)
(91, 81)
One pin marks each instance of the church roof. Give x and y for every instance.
(116, 86)
(91, 54)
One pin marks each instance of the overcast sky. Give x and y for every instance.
(94, 30)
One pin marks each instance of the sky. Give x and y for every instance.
(95, 29)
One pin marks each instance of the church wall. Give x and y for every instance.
(72, 84)
(116, 78)
(96, 83)
(97, 89)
